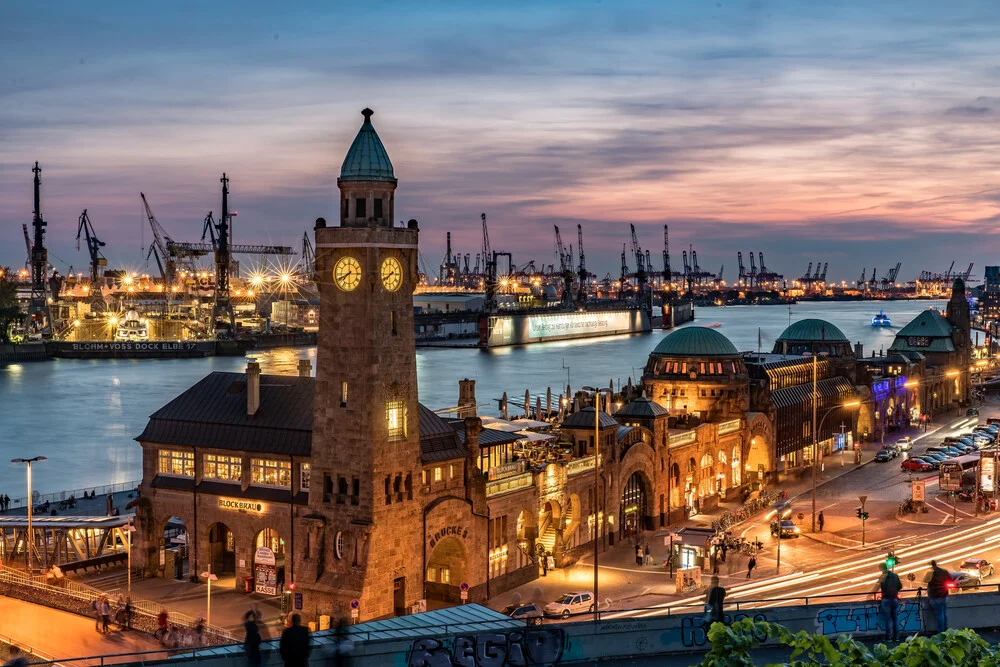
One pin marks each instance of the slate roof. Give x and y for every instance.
(585, 419)
(928, 323)
(213, 413)
(642, 407)
(695, 342)
(438, 440)
(366, 159)
(812, 330)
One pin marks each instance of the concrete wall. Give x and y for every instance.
(584, 641)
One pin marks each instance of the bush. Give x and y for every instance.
(731, 647)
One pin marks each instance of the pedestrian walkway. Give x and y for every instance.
(65, 635)
(97, 506)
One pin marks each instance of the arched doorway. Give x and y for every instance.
(757, 459)
(720, 473)
(549, 521)
(445, 571)
(706, 485)
(221, 549)
(634, 512)
(691, 486)
(175, 549)
(268, 562)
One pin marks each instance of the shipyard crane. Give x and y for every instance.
(741, 277)
(448, 266)
(581, 294)
(490, 271)
(641, 275)
(753, 271)
(27, 245)
(667, 276)
(167, 253)
(565, 269)
(872, 282)
(968, 272)
(624, 278)
(822, 276)
(889, 279)
(696, 269)
(39, 304)
(308, 257)
(97, 259)
(947, 274)
(808, 277)
(717, 280)
(860, 282)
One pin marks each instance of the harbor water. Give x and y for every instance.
(84, 414)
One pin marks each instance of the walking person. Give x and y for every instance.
(937, 593)
(127, 612)
(251, 642)
(638, 554)
(889, 586)
(161, 626)
(713, 602)
(294, 645)
(821, 521)
(647, 556)
(105, 615)
(751, 564)
(95, 609)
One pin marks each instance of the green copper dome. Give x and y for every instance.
(812, 330)
(695, 342)
(367, 160)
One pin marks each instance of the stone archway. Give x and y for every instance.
(221, 549)
(446, 570)
(550, 529)
(758, 456)
(634, 513)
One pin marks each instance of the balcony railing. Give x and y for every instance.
(509, 484)
(683, 439)
(579, 465)
(729, 426)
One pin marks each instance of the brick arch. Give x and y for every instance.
(759, 445)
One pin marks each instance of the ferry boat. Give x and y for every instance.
(881, 320)
(132, 329)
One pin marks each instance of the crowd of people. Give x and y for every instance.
(122, 613)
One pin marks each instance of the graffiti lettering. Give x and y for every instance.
(520, 648)
(694, 630)
(865, 618)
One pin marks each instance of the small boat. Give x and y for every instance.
(881, 320)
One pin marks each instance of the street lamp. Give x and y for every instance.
(129, 528)
(815, 396)
(208, 612)
(29, 542)
(597, 486)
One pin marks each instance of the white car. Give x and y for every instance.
(570, 603)
(904, 444)
(965, 580)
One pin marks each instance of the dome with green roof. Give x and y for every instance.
(812, 330)
(695, 342)
(367, 160)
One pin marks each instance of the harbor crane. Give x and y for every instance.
(667, 276)
(889, 279)
(581, 294)
(308, 258)
(741, 277)
(97, 259)
(565, 269)
(717, 280)
(490, 271)
(641, 274)
(624, 277)
(38, 305)
(167, 253)
(753, 275)
(449, 267)
(860, 282)
(27, 244)
(871, 281)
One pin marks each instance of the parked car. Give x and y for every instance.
(530, 613)
(933, 463)
(904, 444)
(570, 603)
(977, 567)
(788, 528)
(884, 455)
(972, 412)
(916, 465)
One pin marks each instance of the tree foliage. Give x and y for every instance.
(732, 646)
(10, 313)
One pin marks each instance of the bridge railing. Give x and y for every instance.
(101, 490)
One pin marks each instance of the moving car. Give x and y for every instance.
(917, 465)
(570, 603)
(788, 528)
(530, 613)
(884, 455)
(904, 444)
(965, 580)
(977, 567)
(972, 412)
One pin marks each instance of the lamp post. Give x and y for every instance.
(209, 578)
(597, 487)
(29, 542)
(815, 396)
(129, 529)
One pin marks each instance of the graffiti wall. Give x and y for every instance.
(531, 646)
(865, 618)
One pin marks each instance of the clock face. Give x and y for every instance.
(347, 273)
(392, 274)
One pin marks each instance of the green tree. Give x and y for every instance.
(10, 313)
(731, 647)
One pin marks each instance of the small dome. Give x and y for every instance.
(585, 419)
(812, 330)
(695, 342)
(367, 160)
(642, 407)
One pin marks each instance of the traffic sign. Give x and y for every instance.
(355, 604)
(464, 587)
(464, 595)
(862, 499)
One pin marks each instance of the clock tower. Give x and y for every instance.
(363, 526)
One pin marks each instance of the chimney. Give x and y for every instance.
(467, 398)
(253, 387)
(859, 350)
(305, 368)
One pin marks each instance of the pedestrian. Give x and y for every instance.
(95, 609)
(105, 615)
(199, 632)
(638, 554)
(294, 645)
(723, 549)
(890, 586)
(128, 614)
(751, 565)
(161, 626)
(821, 521)
(713, 602)
(17, 658)
(251, 642)
(545, 563)
(937, 592)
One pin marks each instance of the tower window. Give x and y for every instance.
(359, 207)
(377, 208)
(343, 394)
(347, 208)
(392, 321)
(395, 417)
(388, 491)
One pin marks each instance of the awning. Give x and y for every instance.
(801, 394)
(530, 436)
(531, 423)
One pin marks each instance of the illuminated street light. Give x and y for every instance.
(30, 541)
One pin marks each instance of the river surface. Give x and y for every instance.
(84, 414)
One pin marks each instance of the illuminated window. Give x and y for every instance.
(305, 471)
(176, 463)
(343, 394)
(272, 473)
(423, 477)
(437, 474)
(451, 471)
(395, 417)
(225, 468)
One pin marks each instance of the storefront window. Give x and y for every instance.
(176, 463)
(224, 468)
(273, 473)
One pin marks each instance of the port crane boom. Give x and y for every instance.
(97, 259)
(581, 295)
(565, 269)
(39, 304)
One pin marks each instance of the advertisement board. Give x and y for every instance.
(265, 572)
(987, 475)
(578, 324)
(918, 490)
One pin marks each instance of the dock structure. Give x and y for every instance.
(71, 542)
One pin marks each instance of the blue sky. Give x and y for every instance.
(836, 132)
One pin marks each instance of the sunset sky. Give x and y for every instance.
(857, 133)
